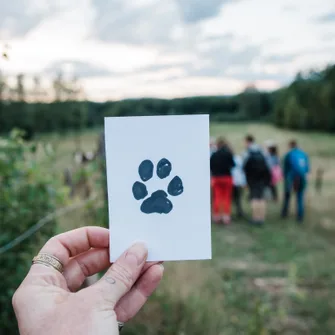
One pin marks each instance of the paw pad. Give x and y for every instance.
(159, 201)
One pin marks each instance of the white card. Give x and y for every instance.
(168, 154)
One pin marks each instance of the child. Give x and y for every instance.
(276, 170)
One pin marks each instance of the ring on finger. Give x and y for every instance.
(120, 325)
(48, 260)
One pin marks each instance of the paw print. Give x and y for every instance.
(158, 202)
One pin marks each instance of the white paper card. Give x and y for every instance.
(159, 185)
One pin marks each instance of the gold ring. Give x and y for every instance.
(48, 260)
(120, 325)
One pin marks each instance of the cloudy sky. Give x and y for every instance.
(168, 48)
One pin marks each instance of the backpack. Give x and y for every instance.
(277, 174)
(298, 163)
(256, 167)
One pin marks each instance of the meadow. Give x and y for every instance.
(276, 280)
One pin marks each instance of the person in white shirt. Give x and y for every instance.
(239, 182)
(212, 146)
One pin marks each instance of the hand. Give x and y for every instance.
(47, 302)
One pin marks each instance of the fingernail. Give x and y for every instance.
(162, 266)
(137, 253)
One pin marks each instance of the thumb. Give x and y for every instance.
(122, 275)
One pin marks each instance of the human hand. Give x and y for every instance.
(47, 301)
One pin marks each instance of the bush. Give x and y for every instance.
(27, 195)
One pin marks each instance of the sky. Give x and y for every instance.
(167, 48)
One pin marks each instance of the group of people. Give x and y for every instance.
(258, 170)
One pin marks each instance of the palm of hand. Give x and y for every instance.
(48, 301)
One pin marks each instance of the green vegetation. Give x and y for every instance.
(63, 116)
(40, 117)
(309, 102)
(26, 196)
(276, 280)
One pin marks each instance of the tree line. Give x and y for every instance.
(307, 103)
(63, 115)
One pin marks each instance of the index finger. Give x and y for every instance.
(74, 242)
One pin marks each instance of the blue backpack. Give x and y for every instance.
(298, 162)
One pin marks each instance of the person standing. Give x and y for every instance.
(212, 149)
(239, 182)
(296, 168)
(276, 171)
(212, 146)
(221, 164)
(258, 175)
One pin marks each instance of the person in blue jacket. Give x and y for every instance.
(296, 167)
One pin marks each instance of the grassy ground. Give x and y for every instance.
(276, 280)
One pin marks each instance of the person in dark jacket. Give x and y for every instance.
(221, 164)
(258, 174)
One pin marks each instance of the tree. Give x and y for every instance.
(58, 86)
(251, 102)
(20, 89)
(308, 102)
(74, 89)
(3, 86)
(37, 90)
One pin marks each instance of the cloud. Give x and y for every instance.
(15, 19)
(157, 68)
(290, 8)
(223, 56)
(152, 21)
(328, 37)
(19, 17)
(259, 76)
(242, 73)
(194, 11)
(220, 37)
(326, 18)
(123, 22)
(123, 48)
(78, 69)
(280, 58)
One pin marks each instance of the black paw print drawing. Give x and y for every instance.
(158, 202)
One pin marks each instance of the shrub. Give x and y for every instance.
(26, 196)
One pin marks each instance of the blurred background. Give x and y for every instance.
(255, 66)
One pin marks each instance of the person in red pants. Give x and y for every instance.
(221, 164)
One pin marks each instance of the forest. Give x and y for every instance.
(308, 103)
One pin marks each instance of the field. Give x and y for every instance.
(276, 280)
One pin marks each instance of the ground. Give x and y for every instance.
(279, 279)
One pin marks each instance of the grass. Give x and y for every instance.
(276, 280)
